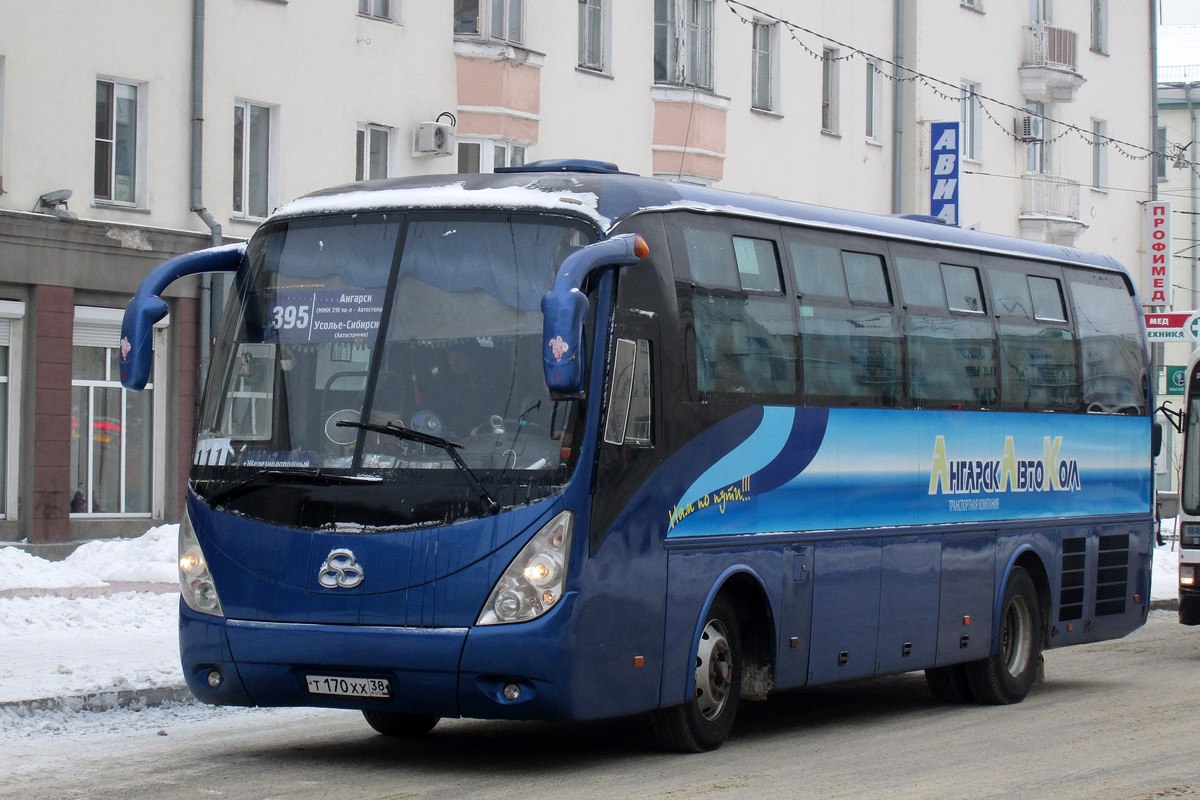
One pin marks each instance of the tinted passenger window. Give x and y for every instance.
(758, 264)
(951, 351)
(1039, 362)
(1112, 355)
(851, 348)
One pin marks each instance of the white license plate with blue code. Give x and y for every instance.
(348, 687)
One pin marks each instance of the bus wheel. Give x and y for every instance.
(1006, 675)
(704, 722)
(1189, 610)
(949, 684)
(404, 726)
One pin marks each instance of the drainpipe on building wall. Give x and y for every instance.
(205, 332)
(1187, 95)
(897, 107)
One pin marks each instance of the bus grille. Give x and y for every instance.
(1074, 561)
(1112, 575)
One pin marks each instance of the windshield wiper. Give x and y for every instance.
(451, 449)
(266, 477)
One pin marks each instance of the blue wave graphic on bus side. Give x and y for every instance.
(867, 468)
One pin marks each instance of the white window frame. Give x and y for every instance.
(690, 43)
(1038, 153)
(1099, 38)
(764, 65)
(1041, 11)
(101, 327)
(494, 21)
(138, 187)
(382, 10)
(969, 117)
(12, 319)
(874, 103)
(489, 149)
(1099, 154)
(593, 14)
(272, 166)
(829, 91)
(364, 137)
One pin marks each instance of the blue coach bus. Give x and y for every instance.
(568, 443)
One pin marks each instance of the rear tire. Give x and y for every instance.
(950, 684)
(1189, 610)
(705, 721)
(402, 726)
(1007, 674)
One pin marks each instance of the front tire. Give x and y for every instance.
(1007, 674)
(402, 726)
(705, 721)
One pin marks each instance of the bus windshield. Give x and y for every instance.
(343, 327)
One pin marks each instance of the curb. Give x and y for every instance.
(1165, 605)
(133, 699)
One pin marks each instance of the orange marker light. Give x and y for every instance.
(639, 662)
(967, 619)
(640, 248)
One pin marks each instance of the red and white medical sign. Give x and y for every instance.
(1158, 253)
(1181, 327)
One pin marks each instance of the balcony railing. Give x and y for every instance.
(1047, 46)
(1050, 209)
(1049, 71)
(1050, 196)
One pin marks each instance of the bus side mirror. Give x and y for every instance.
(1156, 439)
(147, 306)
(565, 306)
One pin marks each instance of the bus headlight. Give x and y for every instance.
(195, 581)
(534, 581)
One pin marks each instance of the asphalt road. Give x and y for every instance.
(1113, 720)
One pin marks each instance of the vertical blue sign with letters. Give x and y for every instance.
(944, 139)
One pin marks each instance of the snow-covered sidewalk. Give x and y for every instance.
(99, 628)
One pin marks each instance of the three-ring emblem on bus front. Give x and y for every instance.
(340, 570)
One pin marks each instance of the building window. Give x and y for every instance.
(763, 89)
(501, 20)
(972, 133)
(1099, 154)
(975, 5)
(251, 160)
(371, 161)
(874, 126)
(829, 90)
(486, 155)
(1100, 26)
(1037, 148)
(683, 42)
(1041, 11)
(116, 141)
(594, 25)
(376, 9)
(11, 314)
(112, 429)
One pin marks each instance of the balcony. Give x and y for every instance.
(1049, 73)
(1050, 209)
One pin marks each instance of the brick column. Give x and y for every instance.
(50, 353)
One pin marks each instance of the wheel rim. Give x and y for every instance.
(714, 670)
(1016, 640)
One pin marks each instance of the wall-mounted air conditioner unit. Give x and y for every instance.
(434, 138)
(1029, 128)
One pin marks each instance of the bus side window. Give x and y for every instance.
(743, 325)
(1039, 365)
(1110, 346)
(630, 389)
(951, 355)
(850, 337)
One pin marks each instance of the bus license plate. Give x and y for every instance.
(348, 687)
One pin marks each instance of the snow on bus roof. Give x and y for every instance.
(531, 194)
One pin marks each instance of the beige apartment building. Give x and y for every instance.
(133, 130)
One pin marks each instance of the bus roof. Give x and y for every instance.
(602, 193)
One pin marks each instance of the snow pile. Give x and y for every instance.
(150, 558)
